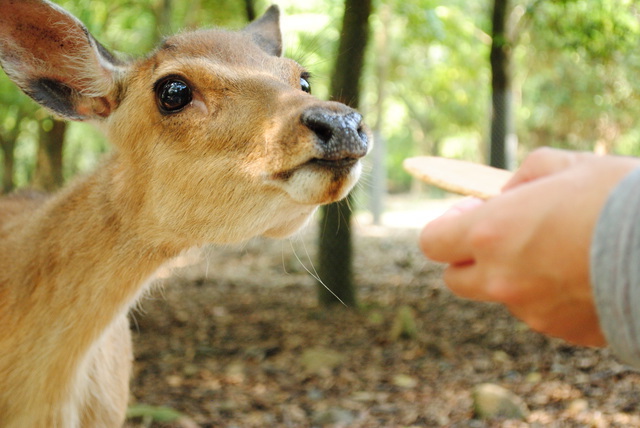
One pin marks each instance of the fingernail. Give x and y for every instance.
(464, 205)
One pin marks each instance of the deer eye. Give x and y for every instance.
(304, 83)
(173, 94)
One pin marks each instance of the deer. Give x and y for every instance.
(215, 139)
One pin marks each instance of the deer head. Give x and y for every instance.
(216, 136)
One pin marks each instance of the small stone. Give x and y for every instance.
(235, 373)
(363, 396)
(334, 416)
(315, 394)
(578, 406)
(321, 361)
(493, 401)
(175, 381)
(190, 370)
(533, 377)
(404, 381)
(501, 357)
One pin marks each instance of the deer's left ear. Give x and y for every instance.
(266, 33)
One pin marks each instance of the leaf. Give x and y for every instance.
(155, 413)
(404, 324)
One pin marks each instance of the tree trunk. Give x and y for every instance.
(336, 251)
(8, 146)
(502, 146)
(163, 13)
(378, 188)
(250, 8)
(335, 263)
(48, 174)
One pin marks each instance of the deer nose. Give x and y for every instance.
(339, 135)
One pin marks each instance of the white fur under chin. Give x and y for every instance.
(310, 186)
(292, 225)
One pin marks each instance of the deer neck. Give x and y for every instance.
(81, 260)
(91, 243)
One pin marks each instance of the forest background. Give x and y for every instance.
(426, 84)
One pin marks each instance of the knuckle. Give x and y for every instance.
(484, 236)
(501, 289)
(432, 243)
(543, 155)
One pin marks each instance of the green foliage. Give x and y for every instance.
(311, 32)
(578, 64)
(438, 79)
(575, 67)
(594, 29)
(426, 86)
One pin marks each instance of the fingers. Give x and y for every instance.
(540, 163)
(445, 239)
(573, 321)
(465, 281)
(483, 282)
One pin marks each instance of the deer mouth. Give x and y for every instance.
(344, 164)
(319, 181)
(339, 167)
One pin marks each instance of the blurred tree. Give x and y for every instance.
(163, 12)
(378, 184)
(335, 263)
(8, 146)
(8, 136)
(251, 10)
(48, 172)
(502, 144)
(17, 109)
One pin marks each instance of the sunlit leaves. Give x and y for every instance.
(581, 88)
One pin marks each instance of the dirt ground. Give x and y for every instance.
(234, 338)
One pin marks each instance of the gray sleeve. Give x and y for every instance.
(615, 269)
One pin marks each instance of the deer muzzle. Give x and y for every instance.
(340, 136)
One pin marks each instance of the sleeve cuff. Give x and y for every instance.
(615, 269)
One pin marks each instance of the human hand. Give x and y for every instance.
(529, 247)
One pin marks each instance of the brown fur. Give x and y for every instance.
(237, 162)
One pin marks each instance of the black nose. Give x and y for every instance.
(340, 135)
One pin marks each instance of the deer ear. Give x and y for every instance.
(52, 57)
(266, 33)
